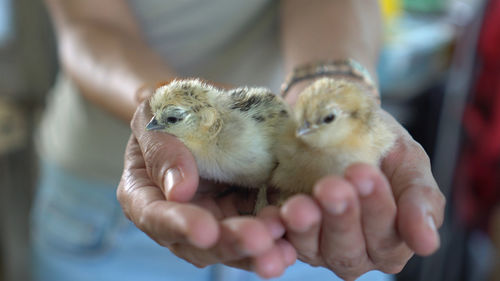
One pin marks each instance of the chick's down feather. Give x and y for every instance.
(231, 133)
(337, 123)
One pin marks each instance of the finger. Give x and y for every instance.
(342, 243)
(170, 222)
(302, 218)
(165, 222)
(169, 163)
(288, 255)
(416, 221)
(419, 200)
(240, 238)
(249, 235)
(270, 216)
(270, 264)
(288, 251)
(378, 215)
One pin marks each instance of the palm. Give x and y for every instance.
(224, 201)
(207, 229)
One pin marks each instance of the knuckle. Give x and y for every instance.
(388, 248)
(392, 269)
(311, 258)
(182, 253)
(145, 220)
(441, 200)
(437, 201)
(160, 242)
(393, 261)
(418, 149)
(349, 268)
(432, 193)
(345, 264)
(422, 154)
(198, 262)
(315, 263)
(142, 222)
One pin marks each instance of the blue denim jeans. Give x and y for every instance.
(79, 233)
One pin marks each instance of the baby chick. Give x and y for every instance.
(230, 133)
(338, 124)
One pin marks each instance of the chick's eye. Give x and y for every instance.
(329, 118)
(172, 120)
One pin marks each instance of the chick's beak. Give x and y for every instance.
(153, 125)
(305, 129)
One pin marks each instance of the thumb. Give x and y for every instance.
(169, 163)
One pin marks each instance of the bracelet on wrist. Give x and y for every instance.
(348, 69)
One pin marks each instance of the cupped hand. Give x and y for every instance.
(371, 218)
(161, 193)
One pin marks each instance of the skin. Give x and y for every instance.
(104, 53)
(357, 23)
(204, 230)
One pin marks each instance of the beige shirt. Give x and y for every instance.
(227, 41)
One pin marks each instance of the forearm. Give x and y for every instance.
(102, 49)
(319, 30)
(109, 66)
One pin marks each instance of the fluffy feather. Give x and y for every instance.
(230, 133)
(337, 124)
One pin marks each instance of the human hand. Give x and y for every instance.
(161, 194)
(371, 218)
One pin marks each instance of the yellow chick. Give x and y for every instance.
(230, 133)
(338, 124)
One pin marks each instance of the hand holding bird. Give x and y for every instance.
(366, 216)
(403, 155)
(161, 192)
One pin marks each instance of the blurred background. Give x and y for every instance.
(439, 70)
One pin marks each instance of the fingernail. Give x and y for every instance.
(173, 177)
(365, 187)
(336, 208)
(431, 223)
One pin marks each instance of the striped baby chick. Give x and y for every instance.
(338, 124)
(230, 133)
